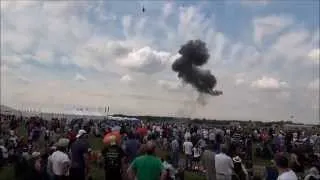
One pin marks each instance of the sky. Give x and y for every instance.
(60, 55)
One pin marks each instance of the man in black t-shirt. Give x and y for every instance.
(113, 159)
(79, 156)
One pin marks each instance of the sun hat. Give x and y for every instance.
(237, 159)
(35, 154)
(63, 142)
(81, 132)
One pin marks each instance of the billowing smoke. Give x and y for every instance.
(194, 54)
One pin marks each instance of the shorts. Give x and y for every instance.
(196, 159)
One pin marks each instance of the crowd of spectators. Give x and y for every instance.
(59, 150)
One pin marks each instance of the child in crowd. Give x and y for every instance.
(196, 157)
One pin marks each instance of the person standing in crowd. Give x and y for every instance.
(313, 173)
(79, 156)
(187, 135)
(47, 136)
(196, 157)
(3, 153)
(132, 146)
(21, 166)
(34, 169)
(285, 173)
(239, 169)
(170, 170)
(113, 159)
(147, 167)
(12, 145)
(224, 165)
(50, 174)
(71, 136)
(271, 172)
(208, 162)
(175, 152)
(212, 136)
(187, 149)
(316, 146)
(59, 162)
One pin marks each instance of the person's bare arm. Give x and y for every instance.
(131, 173)
(183, 147)
(231, 164)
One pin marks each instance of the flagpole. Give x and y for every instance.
(107, 113)
(107, 110)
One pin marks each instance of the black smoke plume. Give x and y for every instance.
(194, 54)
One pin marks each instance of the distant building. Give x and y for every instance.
(297, 126)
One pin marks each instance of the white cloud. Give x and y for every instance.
(146, 60)
(98, 53)
(314, 85)
(269, 25)
(45, 56)
(240, 79)
(4, 68)
(11, 60)
(314, 55)
(293, 46)
(126, 79)
(80, 78)
(269, 83)
(167, 9)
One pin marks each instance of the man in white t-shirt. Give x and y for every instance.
(285, 173)
(187, 135)
(59, 162)
(224, 165)
(187, 149)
